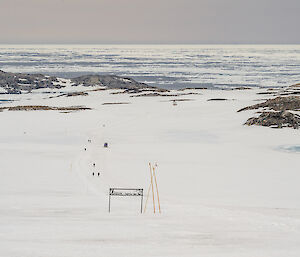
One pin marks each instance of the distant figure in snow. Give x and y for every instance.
(84, 149)
(93, 174)
(174, 103)
(89, 140)
(98, 174)
(94, 164)
(106, 145)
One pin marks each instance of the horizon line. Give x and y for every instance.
(78, 43)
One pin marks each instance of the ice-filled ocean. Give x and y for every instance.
(168, 66)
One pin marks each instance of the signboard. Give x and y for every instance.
(126, 192)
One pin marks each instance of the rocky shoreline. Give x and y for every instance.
(44, 108)
(276, 112)
(275, 120)
(18, 83)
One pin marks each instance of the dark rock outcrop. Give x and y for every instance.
(152, 94)
(109, 81)
(43, 108)
(192, 88)
(116, 103)
(277, 104)
(138, 91)
(282, 91)
(18, 83)
(217, 99)
(280, 116)
(242, 88)
(276, 120)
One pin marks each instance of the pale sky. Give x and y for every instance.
(149, 21)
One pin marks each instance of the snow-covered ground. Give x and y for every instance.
(225, 189)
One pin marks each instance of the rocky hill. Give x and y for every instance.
(109, 81)
(18, 83)
(277, 104)
(276, 113)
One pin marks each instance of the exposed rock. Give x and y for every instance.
(286, 93)
(275, 119)
(94, 90)
(115, 103)
(277, 104)
(280, 116)
(77, 94)
(181, 100)
(282, 91)
(43, 108)
(159, 94)
(266, 93)
(152, 94)
(218, 99)
(109, 81)
(138, 91)
(291, 90)
(192, 88)
(82, 93)
(242, 88)
(16, 83)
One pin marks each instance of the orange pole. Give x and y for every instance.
(156, 188)
(147, 198)
(152, 187)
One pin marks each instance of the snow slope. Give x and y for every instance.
(225, 189)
